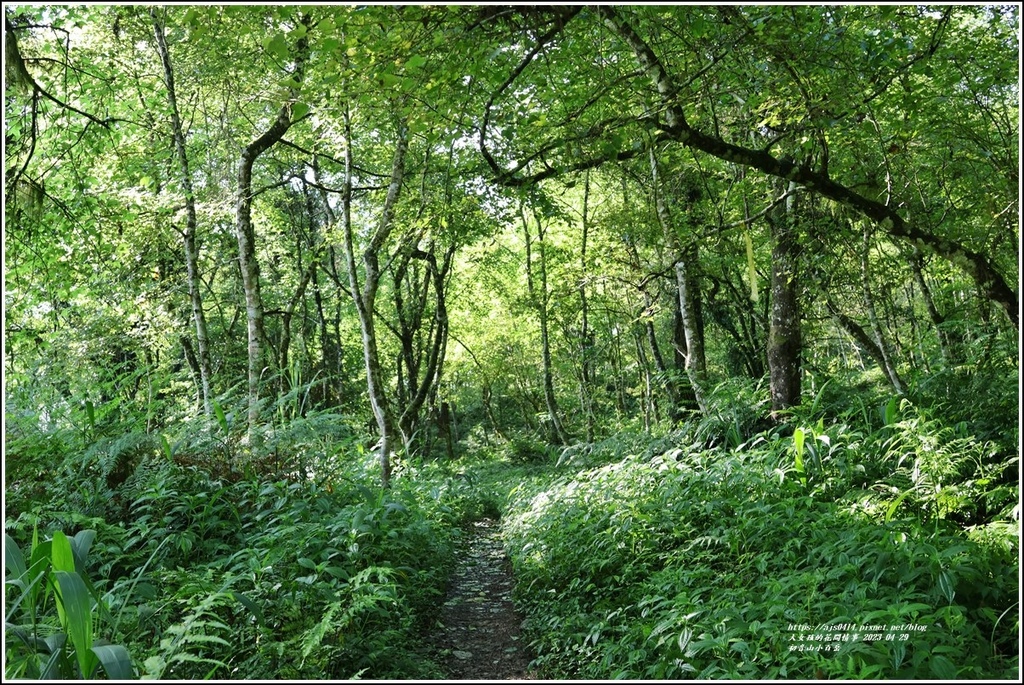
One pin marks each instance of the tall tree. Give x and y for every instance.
(687, 289)
(586, 336)
(605, 138)
(364, 295)
(191, 224)
(246, 236)
(540, 296)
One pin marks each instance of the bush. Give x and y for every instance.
(704, 564)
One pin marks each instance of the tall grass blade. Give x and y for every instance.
(74, 605)
(896, 503)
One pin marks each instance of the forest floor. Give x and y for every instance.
(478, 635)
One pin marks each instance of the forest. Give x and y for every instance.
(707, 316)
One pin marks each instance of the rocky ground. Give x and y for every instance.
(478, 636)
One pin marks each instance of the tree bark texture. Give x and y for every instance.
(784, 337)
(191, 223)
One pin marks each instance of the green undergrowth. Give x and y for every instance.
(747, 561)
(195, 576)
(715, 549)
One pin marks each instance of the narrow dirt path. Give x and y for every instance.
(478, 637)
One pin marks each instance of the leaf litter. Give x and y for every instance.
(478, 632)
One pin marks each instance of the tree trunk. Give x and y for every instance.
(644, 364)
(784, 339)
(245, 235)
(687, 290)
(863, 339)
(659, 360)
(191, 224)
(687, 398)
(888, 364)
(948, 343)
(586, 337)
(557, 432)
(421, 388)
(364, 297)
(286, 319)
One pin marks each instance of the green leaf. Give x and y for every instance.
(80, 546)
(90, 409)
(14, 560)
(277, 45)
(116, 661)
(76, 616)
(889, 411)
(37, 565)
(798, 450)
(61, 556)
(222, 420)
(250, 605)
(155, 667)
(947, 585)
(943, 668)
(415, 62)
(166, 445)
(299, 110)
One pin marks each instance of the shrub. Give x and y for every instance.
(701, 564)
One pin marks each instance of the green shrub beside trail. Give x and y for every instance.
(706, 564)
(250, 579)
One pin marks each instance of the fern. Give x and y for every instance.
(188, 641)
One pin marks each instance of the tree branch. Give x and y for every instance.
(566, 15)
(677, 128)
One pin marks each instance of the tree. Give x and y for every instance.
(362, 190)
(687, 290)
(191, 223)
(671, 122)
(244, 232)
(785, 345)
(539, 295)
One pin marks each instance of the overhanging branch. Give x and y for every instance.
(676, 128)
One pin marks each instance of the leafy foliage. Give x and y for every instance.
(51, 580)
(549, 264)
(700, 564)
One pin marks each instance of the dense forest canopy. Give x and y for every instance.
(267, 241)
